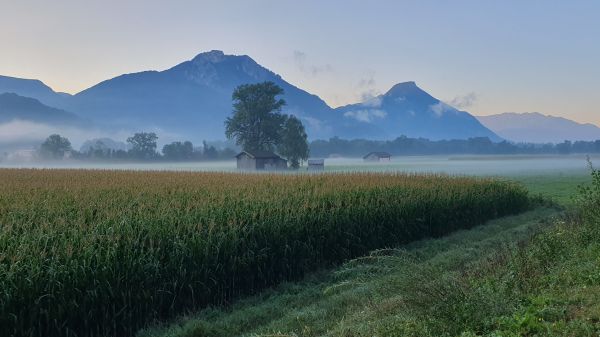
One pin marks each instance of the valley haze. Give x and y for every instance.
(192, 99)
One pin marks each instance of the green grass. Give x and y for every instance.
(560, 187)
(534, 274)
(363, 297)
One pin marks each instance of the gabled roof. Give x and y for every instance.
(259, 154)
(378, 154)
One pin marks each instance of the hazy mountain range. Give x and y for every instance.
(408, 110)
(192, 99)
(535, 127)
(15, 107)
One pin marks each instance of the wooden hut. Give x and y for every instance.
(260, 160)
(378, 157)
(316, 165)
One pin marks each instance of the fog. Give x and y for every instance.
(493, 165)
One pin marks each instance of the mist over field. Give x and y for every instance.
(479, 165)
(310, 169)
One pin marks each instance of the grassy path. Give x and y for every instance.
(364, 297)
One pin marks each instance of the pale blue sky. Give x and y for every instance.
(517, 56)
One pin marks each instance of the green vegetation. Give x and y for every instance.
(55, 147)
(534, 274)
(143, 145)
(294, 144)
(100, 253)
(421, 146)
(257, 123)
(559, 187)
(363, 297)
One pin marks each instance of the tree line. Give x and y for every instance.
(420, 146)
(142, 147)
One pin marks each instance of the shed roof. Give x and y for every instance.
(259, 154)
(378, 154)
(316, 161)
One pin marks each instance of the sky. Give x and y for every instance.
(483, 56)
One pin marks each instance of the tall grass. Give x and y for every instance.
(96, 253)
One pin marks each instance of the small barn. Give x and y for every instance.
(316, 165)
(378, 157)
(260, 160)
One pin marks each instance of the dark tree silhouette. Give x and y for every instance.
(143, 145)
(55, 147)
(294, 143)
(257, 118)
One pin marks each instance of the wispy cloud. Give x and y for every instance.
(368, 81)
(366, 115)
(440, 108)
(371, 101)
(369, 95)
(300, 59)
(464, 101)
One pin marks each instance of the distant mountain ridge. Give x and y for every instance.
(15, 107)
(34, 89)
(534, 127)
(193, 97)
(192, 100)
(408, 110)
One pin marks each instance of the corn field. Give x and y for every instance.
(103, 253)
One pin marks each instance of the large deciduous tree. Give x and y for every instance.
(178, 151)
(143, 145)
(293, 142)
(55, 147)
(257, 118)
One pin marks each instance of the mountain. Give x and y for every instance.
(192, 99)
(535, 127)
(408, 110)
(34, 89)
(15, 107)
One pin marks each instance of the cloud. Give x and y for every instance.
(368, 80)
(371, 101)
(440, 108)
(300, 60)
(464, 101)
(27, 134)
(369, 95)
(367, 115)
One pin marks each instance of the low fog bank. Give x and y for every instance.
(33, 144)
(480, 165)
(26, 144)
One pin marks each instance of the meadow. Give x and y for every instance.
(97, 253)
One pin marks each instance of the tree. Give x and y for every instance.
(294, 143)
(564, 147)
(257, 117)
(143, 145)
(209, 152)
(178, 151)
(55, 147)
(227, 153)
